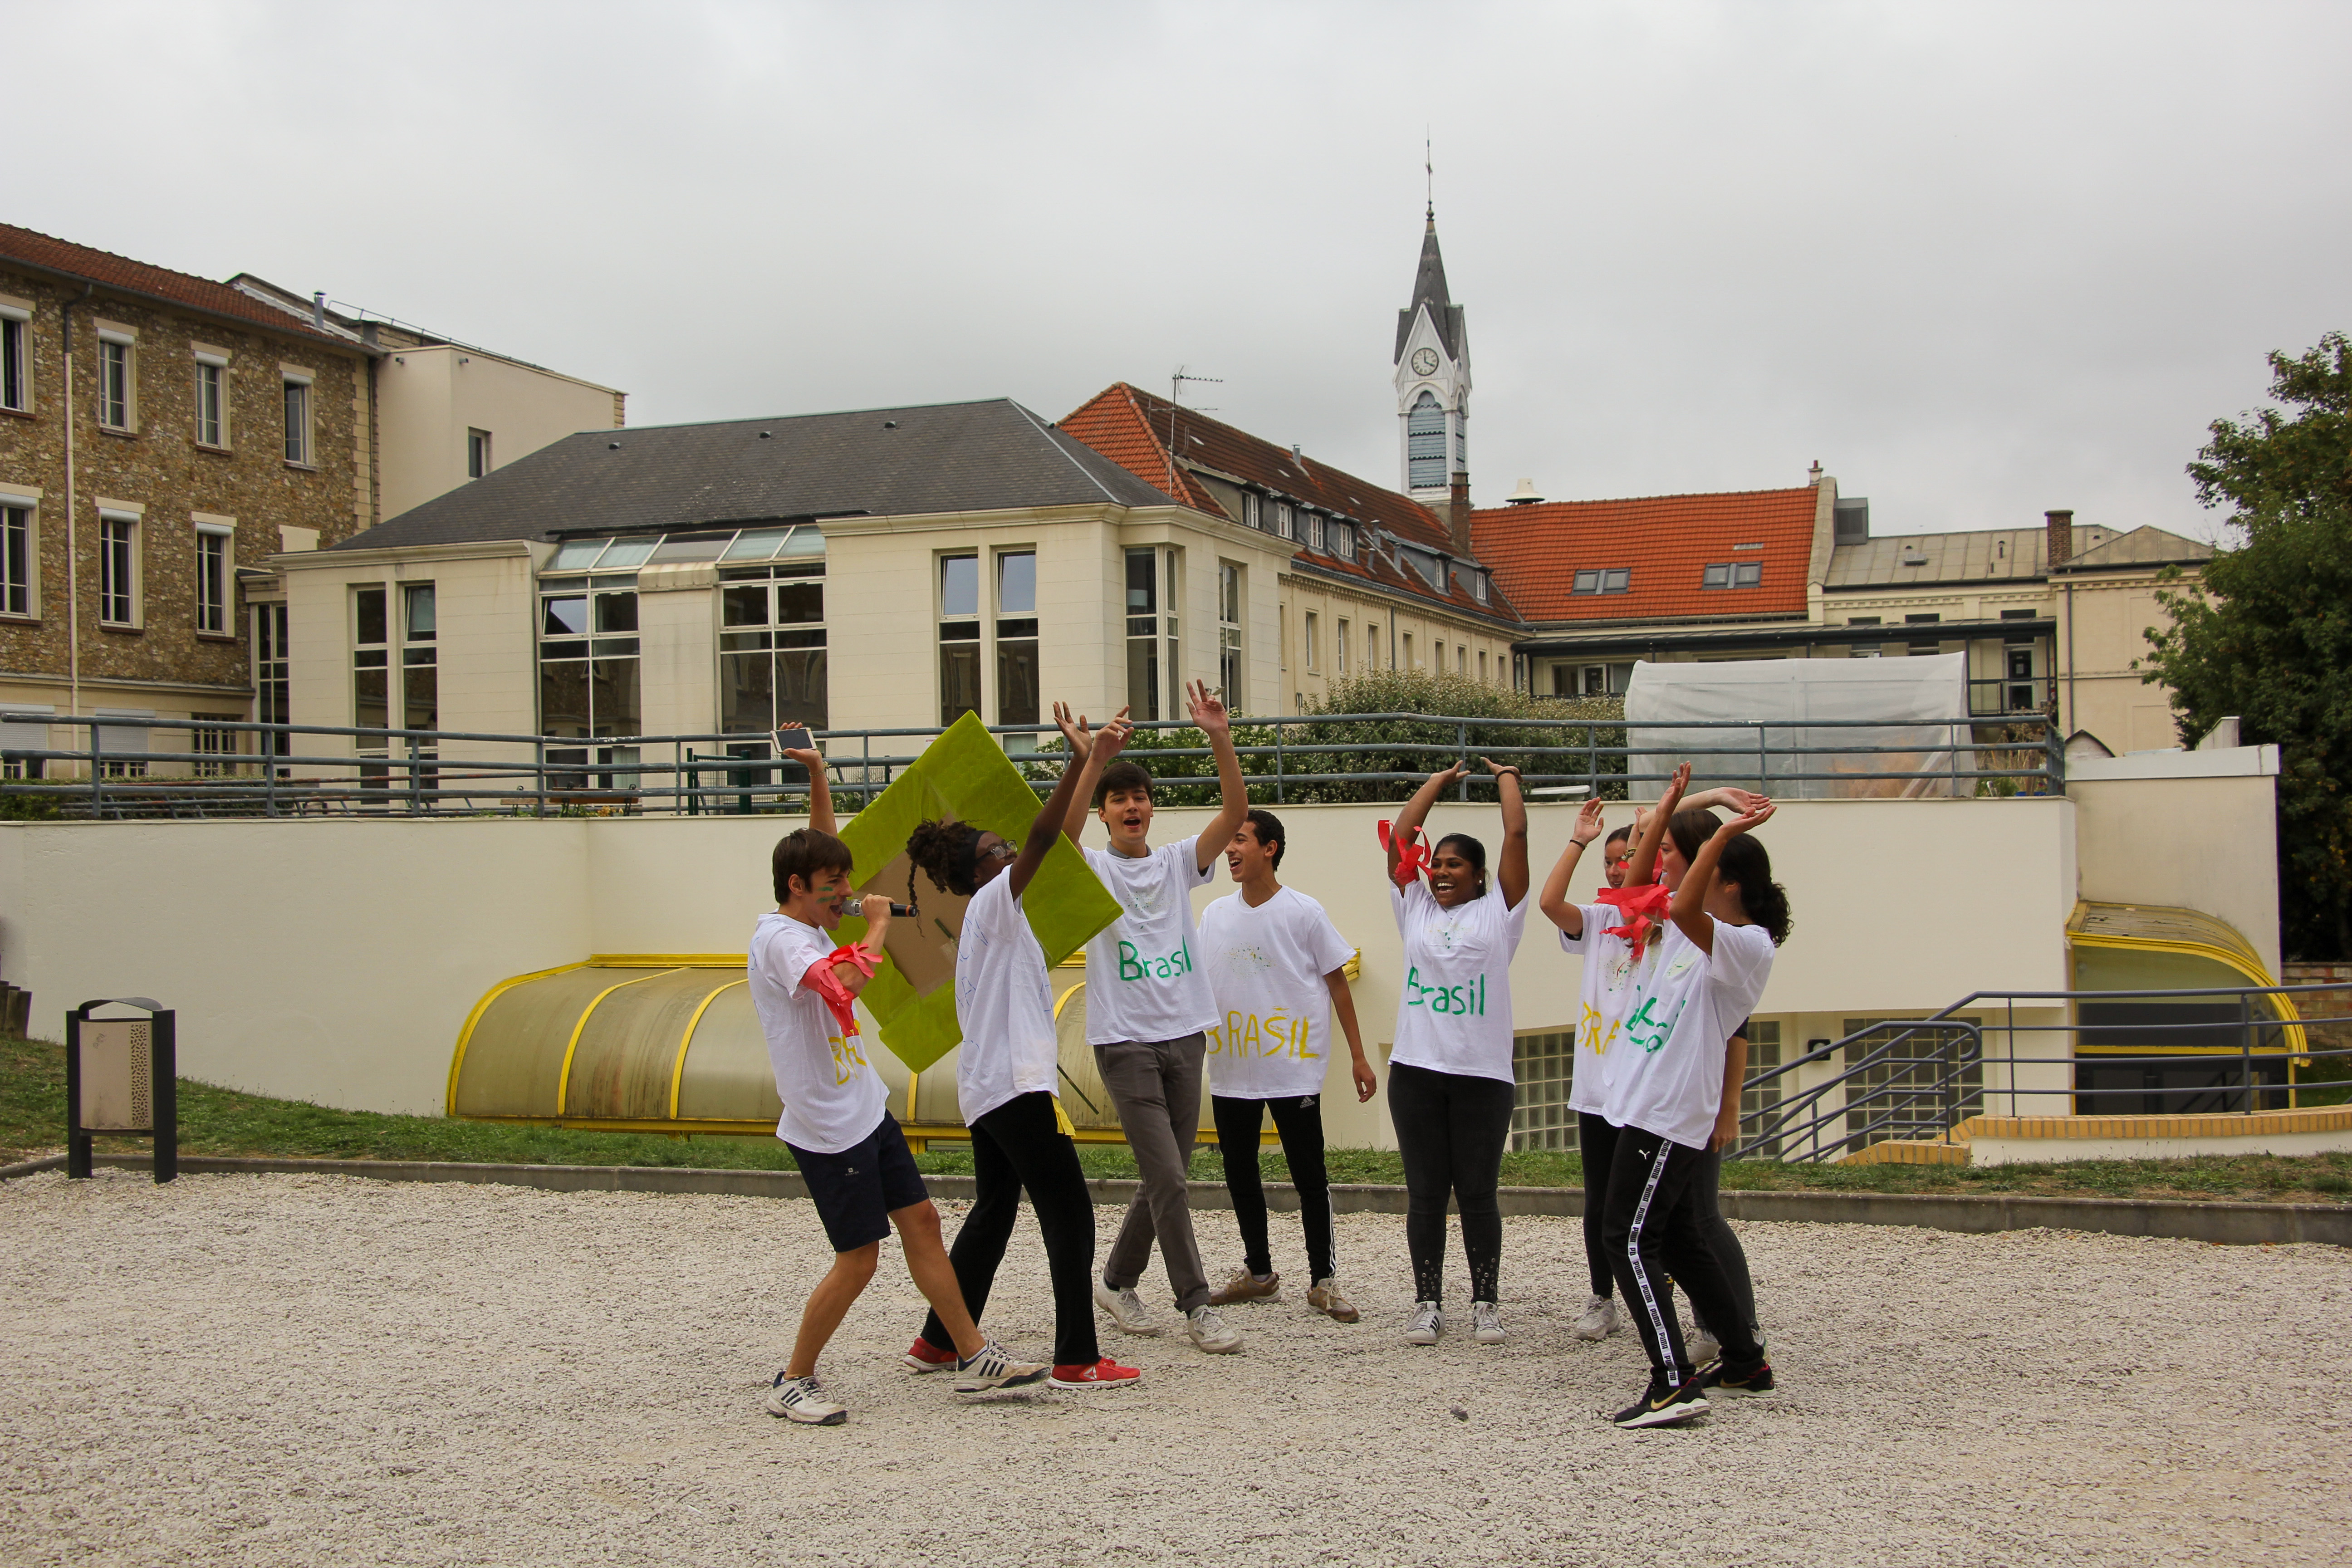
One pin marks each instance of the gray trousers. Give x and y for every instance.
(1156, 1084)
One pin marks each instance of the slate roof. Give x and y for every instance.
(109, 270)
(1131, 426)
(1429, 290)
(1666, 542)
(990, 456)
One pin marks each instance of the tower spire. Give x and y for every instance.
(1429, 170)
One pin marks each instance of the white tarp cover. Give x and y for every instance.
(1779, 703)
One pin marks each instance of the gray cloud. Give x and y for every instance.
(1978, 259)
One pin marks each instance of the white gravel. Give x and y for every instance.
(311, 1369)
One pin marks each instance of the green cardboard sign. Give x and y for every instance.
(964, 774)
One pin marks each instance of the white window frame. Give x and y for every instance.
(1285, 520)
(27, 501)
(216, 361)
(224, 530)
(1339, 645)
(1342, 534)
(118, 337)
(131, 594)
(16, 352)
(1252, 511)
(1233, 644)
(290, 377)
(1315, 527)
(1313, 660)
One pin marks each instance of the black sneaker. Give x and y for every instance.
(1753, 1384)
(1665, 1405)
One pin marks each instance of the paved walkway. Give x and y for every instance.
(311, 1370)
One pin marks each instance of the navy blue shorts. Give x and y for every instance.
(857, 1190)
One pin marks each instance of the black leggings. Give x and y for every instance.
(1451, 1128)
(1596, 1144)
(1722, 1240)
(1014, 1146)
(1652, 1232)
(1298, 1118)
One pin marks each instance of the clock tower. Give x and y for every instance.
(1433, 388)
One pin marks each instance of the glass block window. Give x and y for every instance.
(1543, 1063)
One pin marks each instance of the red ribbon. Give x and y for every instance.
(1412, 859)
(1641, 907)
(827, 985)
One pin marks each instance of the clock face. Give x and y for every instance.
(1424, 362)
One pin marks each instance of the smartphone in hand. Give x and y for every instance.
(796, 739)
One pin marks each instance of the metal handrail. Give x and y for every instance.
(1926, 1096)
(375, 776)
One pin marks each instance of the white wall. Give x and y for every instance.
(428, 398)
(2204, 838)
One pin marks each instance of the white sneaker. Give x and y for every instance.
(1487, 1322)
(1600, 1320)
(1703, 1346)
(1125, 1308)
(1211, 1333)
(1428, 1321)
(993, 1369)
(802, 1400)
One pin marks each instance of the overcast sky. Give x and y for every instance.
(1978, 259)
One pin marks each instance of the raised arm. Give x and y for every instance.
(1689, 909)
(1233, 792)
(1078, 783)
(1417, 809)
(874, 909)
(820, 788)
(1343, 1005)
(1735, 800)
(1642, 864)
(1554, 902)
(1513, 871)
(1081, 742)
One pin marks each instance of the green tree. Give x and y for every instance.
(2266, 635)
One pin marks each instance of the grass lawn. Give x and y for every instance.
(223, 1122)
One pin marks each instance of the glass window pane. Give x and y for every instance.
(959, 586)
(419, 597)
(628, 552)
(612, 688)
(800, 688)
(746, 697)
(616, 612)
(564, 617)
(959, 679)
(422, 685)
(806, 540)
(564, 699)
(1016, 584)
(800, 603)
(755, 545)
(577, 555)
(1016, 681)
(745, 606)
(1143, 677)
(368, 603)
(1142, 582)
(369, 710)
(681, 547)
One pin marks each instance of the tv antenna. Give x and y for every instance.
(1176, 385)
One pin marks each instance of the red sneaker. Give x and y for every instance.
(920, 1357)
(1104, 1374)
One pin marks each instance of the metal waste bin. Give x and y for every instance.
(122, 1078)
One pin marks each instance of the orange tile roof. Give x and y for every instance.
(1131, 427)
(109, 271)
(1666, 542)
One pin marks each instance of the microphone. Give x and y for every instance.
(903, 912)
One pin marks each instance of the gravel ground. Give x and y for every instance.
(311, 1370)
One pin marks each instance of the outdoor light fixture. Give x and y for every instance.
(122, 1078)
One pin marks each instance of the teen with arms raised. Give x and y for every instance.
(1148, 1011)
(1451, 1085)
(1277, 967)
(1665, 1090)
(860, 1175)
(1612, 967)
(1004, 1080)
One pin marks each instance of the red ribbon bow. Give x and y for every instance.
(1412, 859)
(1641, 907)
(828, 985)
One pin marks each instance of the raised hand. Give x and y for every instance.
(1112, 738)
(1449, 775)
(1672, 800)
(1587, 822)
(1074, 730)
(1206, 710)
(809, 758)
(1742, 800)
(1746, 821)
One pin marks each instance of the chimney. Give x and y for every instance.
(1457, 515)
(2061, 527)
(319, 309)
(1526, 495)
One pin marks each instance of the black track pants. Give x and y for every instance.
(1298, 1118)
(1596, 1142)
(1723, 1241)
(1652, 1231)
(1014, 1146)
(1451, 1129)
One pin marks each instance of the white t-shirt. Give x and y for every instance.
(1005, 1003)
(1610, 980)
(833, 1097)
(1454, 1014)
(1665, 1072)
(1141, 982)
(1266, 968)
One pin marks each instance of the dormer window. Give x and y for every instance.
(1285, 520)
(1733, 574)
(1604, 580)
(1343, 535)
(1315, 531)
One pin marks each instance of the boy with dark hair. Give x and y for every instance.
(1276, 967)
(859, 1172)
(1148, 1011)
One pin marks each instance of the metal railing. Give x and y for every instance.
(1919, 1079)
(315, 769)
